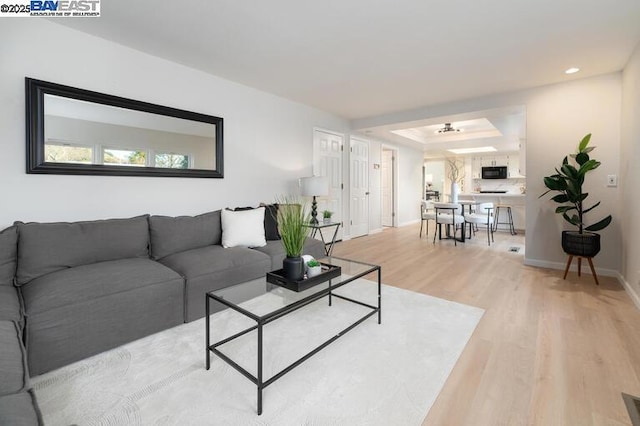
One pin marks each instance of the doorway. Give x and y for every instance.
(388, 185)
(433, 180)
(327, 161)
(359, 187)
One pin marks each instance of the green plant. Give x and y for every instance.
(327, 214)
(293, 219)
(568, 181)
(313, 263)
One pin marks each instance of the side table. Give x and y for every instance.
(316, 228)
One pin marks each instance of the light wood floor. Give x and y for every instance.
(546, 352)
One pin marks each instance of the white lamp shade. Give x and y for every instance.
(314, 186)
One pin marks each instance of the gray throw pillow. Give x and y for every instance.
(49, 247)
(171, 235)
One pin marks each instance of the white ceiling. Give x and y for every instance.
(364, 58)
(502, 128)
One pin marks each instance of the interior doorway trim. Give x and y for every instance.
(393, 187)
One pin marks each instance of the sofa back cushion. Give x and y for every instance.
(171, 235)
(48, 247)
(8, 255)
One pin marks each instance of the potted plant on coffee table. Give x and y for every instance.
(293, 219)
(568, 182)
(313, 268)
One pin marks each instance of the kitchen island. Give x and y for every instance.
(515, 200)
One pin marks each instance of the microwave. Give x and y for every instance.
(496, 172)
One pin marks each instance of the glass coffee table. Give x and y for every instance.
(235, 297)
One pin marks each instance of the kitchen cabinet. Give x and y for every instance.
(476, 167)
(496, 160)
(513, 168)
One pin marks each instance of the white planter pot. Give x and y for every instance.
(312, 271)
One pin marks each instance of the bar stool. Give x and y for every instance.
(496, 218)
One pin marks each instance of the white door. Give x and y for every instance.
(359, 191)
(387, 187)
(327, 161)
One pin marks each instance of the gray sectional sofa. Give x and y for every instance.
(71, 290)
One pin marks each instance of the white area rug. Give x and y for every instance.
(388, 374)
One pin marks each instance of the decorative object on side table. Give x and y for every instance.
(314, 186)
(292, 221)
(326, 216)
(568, 181)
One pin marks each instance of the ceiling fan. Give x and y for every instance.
(448, 128)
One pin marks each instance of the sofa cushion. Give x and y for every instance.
(8, 255)
(49, 247)
(10, 304)
(69, 333)
(20, 409)
(206, 260)
(171, 235)
(86, 282)
(275, 250)
(243, 228)
(13, 365)
(214, 267)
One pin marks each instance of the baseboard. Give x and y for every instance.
(375, 231)
(633, 294)
(574, 267)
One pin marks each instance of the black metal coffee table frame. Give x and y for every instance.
(261, 321)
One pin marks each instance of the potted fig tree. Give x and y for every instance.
(567, 182)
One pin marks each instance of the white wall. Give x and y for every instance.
(558, 116)
(267, 140)
(630, 175)
(410, 162)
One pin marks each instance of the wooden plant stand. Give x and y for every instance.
(593, 271)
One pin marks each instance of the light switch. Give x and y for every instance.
(612, 180)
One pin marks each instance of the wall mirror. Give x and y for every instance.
(76, 131)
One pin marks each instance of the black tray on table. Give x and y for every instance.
(328, 272)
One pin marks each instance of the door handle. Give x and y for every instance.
(366, 193)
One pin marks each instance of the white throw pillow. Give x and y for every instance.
(243, 228)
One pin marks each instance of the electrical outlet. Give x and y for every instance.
(612, 180)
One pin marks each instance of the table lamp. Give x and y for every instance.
(314, 186)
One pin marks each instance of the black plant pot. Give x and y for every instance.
(293, 268)
(586, 244)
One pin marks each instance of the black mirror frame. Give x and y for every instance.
(35, 91)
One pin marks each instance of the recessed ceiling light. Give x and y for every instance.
(472, 150)
(572, 70)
